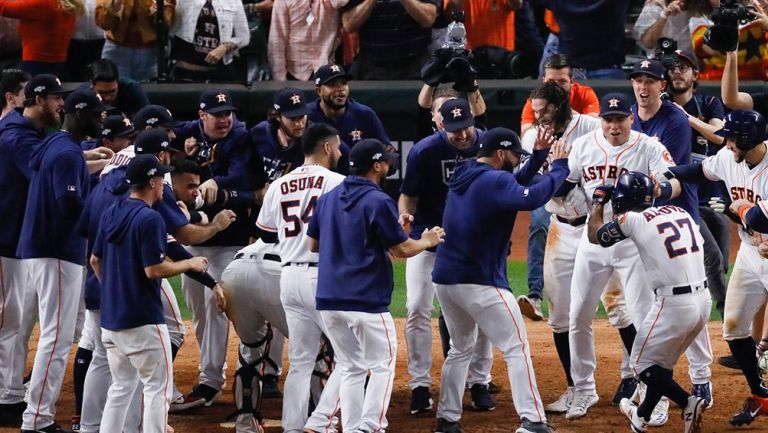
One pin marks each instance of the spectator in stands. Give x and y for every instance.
(488, 22)
(583, 99)
(12, 82)
(10, 43)
(394, 36)
(45, 27)
(131, 36)
(753, 50)
(261, 6)
(206, 37)
(584, 24)
(663, 19)
(302, 37)
(552, 45)
(124, 95)
(86, 45)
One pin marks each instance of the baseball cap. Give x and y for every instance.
(142, 168)
(649, 67)
(688, 57)
(116, 126)
(216, 101)
(502, 138)
(152, 141)
(456, 114)
(330, 72)
(43, 85)
(368, 151)
(154, 116)
(84, 101)
(290, 102)
(615, 105)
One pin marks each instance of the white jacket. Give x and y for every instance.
(233, 26)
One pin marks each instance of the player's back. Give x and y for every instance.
(288, 207)
(670, 245)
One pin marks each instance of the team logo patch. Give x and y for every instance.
(645, 64)
(151, 172)
(71, 188)
(613, 103)
(81, 105)
(456, 112)
(295, 99)
(39, 89)
(153, 120)
(335, 68)
(448, 168)
(127, 122)
(356, 134)
(377, 156)
(221, 97)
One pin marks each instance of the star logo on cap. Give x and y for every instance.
(645, 64)
(335, 68)
(221, 97)
(356, 134)
(456, 112)
(295, 99)
(613, 103)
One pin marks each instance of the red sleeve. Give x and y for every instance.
(527, 115)
(26, 9)
(585, 100)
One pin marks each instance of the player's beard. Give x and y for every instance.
(329, 101)
(679, 89)
(51, 118)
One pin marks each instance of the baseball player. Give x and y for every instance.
(431, 163)
(599, 158)
(20, 133)
(53, 250)
(288, 204)
(671, 249)
(12, 82)
(552, 110)
(354, 228)
(470, 271)
(740, 164)
(129, 259)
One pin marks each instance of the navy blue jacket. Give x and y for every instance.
(358, 122)
(18, 138)
(57, 193)
(276, 159)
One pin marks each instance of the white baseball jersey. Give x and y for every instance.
(670, 244)
(742, 182)
(578, 126)
(288, 207)
(594, 162)
(123, 158)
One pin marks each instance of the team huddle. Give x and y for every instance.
(284, 231)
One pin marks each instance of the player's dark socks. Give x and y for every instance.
(564, 353)
(743, 350)
(82, 361)
(174, 351)
(628, 337)
(659, 380)
(445, 337)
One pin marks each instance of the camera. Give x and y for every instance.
(666, 52)
(724, 33)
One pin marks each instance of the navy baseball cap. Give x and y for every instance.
(368, 151)
(154, 116)
(84, 101)
(688, 57)
(142, 168)
(117, 126)
(650, 68)
(330, 72)
(456, 114)
(615, 105)
(216, 101)
(290, 102)
(43, 85)
(152, 141)
(502, 138)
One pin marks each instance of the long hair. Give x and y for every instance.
(557, 96)
(72, 7)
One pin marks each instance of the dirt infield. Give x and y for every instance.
(730, 390)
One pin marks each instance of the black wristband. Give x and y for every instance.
(195, 217)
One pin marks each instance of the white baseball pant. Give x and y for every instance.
(747, 292)
(420, 298)
(363, 343)
(59, 286)
(13, 280)
(472, 308)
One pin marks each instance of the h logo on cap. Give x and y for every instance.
(335, 68)
(295, 99)
(645, 64)
(221, 97)
(613, 102)
(456, 112)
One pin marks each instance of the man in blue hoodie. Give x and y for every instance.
(53, 250)
(21, 130)
(354, 228)
(129, 259)
(470, 272)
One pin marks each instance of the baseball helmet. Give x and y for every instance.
(633, 192)
(745, 127)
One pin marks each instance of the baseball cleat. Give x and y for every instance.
(580, 404)
(10, 414)
(445, 426)
(533, 427)
(660, 414)
(269, 388)
(692, 414)
(704, 390)
(481, 398)
(562, 404)
(729, 362)
(530, 307)
(421, 400)
(53, 428)
(753, 407)
(626, 389)
(493, 388)
(201, 395)
(629, 409)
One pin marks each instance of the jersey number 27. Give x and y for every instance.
(288, 207)
(674, 236)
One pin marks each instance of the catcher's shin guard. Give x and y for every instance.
(247, 389)
(323, 369)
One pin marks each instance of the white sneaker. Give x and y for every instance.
(660, 414)
(530, 307)
(693, 413)
(562, 404)
(629, 408)
(581, 402)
